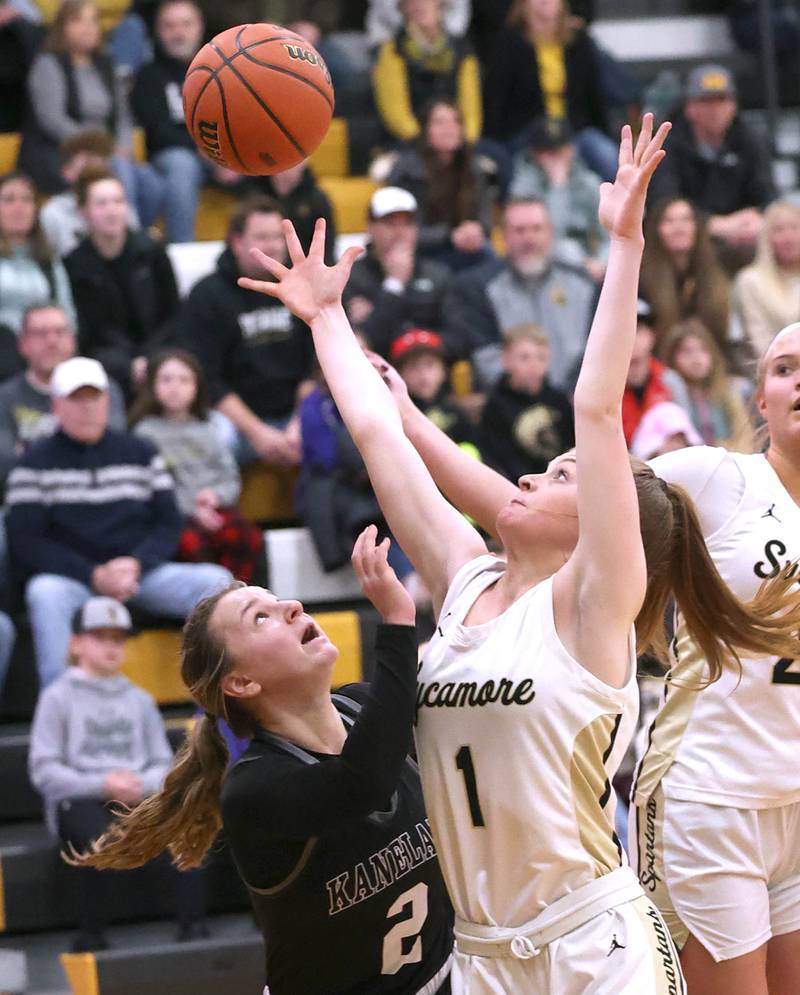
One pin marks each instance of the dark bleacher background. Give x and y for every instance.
(658, 40)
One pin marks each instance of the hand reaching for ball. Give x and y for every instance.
(310, 286)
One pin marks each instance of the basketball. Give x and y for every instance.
(257, 99)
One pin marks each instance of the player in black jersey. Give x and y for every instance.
(324, 810)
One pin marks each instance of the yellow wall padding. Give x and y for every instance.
(81, 972)
(344, 631)
(332, 158)
(350, 196)
(267, 493)
(461, 378)
(152, 660)
(9, 149)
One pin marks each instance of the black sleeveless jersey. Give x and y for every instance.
(357, 903)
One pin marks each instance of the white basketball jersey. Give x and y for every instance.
(737, 742)
(517, 744)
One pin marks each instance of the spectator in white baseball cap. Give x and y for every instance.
(391, 288)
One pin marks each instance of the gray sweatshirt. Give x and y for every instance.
(196, 457)
(85, 727)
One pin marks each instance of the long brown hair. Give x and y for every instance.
(704, 290)
(38, 245)
(452, 189)
(147, 403)
(184, 816)
(717, 385)
(69, 10)
(679, 564)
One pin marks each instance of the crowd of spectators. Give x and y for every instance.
(127, 412)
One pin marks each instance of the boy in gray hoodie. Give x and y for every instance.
(98, 741)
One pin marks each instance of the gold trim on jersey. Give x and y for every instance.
(591, 790)
(670, 723)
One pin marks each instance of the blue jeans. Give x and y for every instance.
(598, 152)
(129, 45)
(144, 188)
(170, 590)
(183, 173)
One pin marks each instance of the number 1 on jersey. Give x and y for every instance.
(467, 768)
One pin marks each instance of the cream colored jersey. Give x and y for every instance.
(517, 744)
(737, 742)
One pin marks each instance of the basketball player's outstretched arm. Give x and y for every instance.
(599, 592)
(434, 536)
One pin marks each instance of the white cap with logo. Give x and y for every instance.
(392, 200)
(75, 373)
(101, 613)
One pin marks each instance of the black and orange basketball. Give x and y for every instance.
(257, 99)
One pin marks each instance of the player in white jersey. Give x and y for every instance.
(525, 697)
(717, 796)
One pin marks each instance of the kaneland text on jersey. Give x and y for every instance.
(380, 870)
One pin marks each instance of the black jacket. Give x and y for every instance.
(126, 307)
(19, 42)
(522, 432)
(249, 344)
(302, 206)
(419, 306)
(512, 94)
(737, 177)
(156, 103)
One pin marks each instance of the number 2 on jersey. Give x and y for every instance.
(393, 955)
(781, 674)
(467, 768)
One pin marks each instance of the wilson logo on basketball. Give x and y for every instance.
(306, 55)
(209, 136)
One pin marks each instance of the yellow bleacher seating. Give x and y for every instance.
(213, 213)
(9, 150)
(332, 158)
(267, 493)
(344, 631)
(81, 972)
(461, 378)
(350, 196)
(152, 658)
(111, 11)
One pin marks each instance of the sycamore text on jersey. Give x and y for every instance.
(380, 870)
(469, 693)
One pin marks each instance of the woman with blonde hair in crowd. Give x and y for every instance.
(700, 384)
(766, 294)
(681, 275)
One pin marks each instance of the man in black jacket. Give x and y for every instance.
(254, 352)
(715, 162)
(158, 108)
(391, 288)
